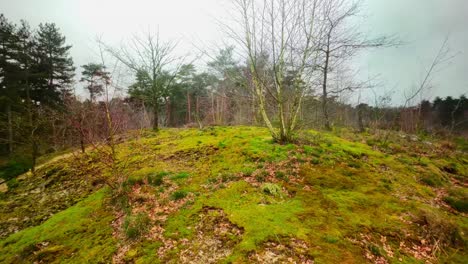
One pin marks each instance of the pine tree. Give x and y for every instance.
(8, 95)
(55, 63)
(96, 77)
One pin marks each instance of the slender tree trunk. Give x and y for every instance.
(156, 117)
(213, 108)
(82, 143)
(360, 121)
(189, 114)
(34, 146)
(10, 129)
(168, 113)
(82, 137)
(34, 154)
(324, 88)
(197, 107)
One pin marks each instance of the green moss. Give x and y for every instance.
(327, 189)
(82, 233)
(181, 175)
(458, 199)
(156, 178)
(260, 217)
(433, 180)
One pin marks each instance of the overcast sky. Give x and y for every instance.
(422, 24)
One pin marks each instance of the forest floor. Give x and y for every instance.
(232, 195)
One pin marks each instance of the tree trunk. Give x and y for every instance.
(34, 154)
(360, 121)
(10, 129)
(213, 108)
(82, 145)
(156, 118)
(324, 88)
(189, 114)
(168, 113)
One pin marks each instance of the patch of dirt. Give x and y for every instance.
(291, 251)
(380, 251)
(215, 239)
(192, 154)
(142, 199)
(276, 172)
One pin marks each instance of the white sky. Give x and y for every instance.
(421, 23)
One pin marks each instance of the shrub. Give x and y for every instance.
(14, 168)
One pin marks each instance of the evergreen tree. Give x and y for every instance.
(8, 95)
(96, 77)
(55, 63)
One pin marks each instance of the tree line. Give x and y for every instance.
(289, 69)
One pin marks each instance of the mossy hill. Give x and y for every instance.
(232, 195)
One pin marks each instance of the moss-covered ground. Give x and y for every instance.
(230, 194)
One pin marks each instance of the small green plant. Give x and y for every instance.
(271, 189)
(222, 144)
(177, 195)
(281, 175)
(156, 179)
(121, 202)
(134, 179)
(330, 239)
(260, 178)
(432, 180)
(458, 200)
(12, 183)
(135, 226)
(248, 171)
(375, 250)
(315, 161)
(227, 177)
(460, 205)
(354, 164)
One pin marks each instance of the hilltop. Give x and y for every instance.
(230, 194)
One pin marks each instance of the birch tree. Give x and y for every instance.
(278, 39)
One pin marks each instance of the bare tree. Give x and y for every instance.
(442, 56)
(339, 41)
(150, 59)
(278, 38)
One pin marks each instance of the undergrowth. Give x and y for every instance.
(331, 197)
